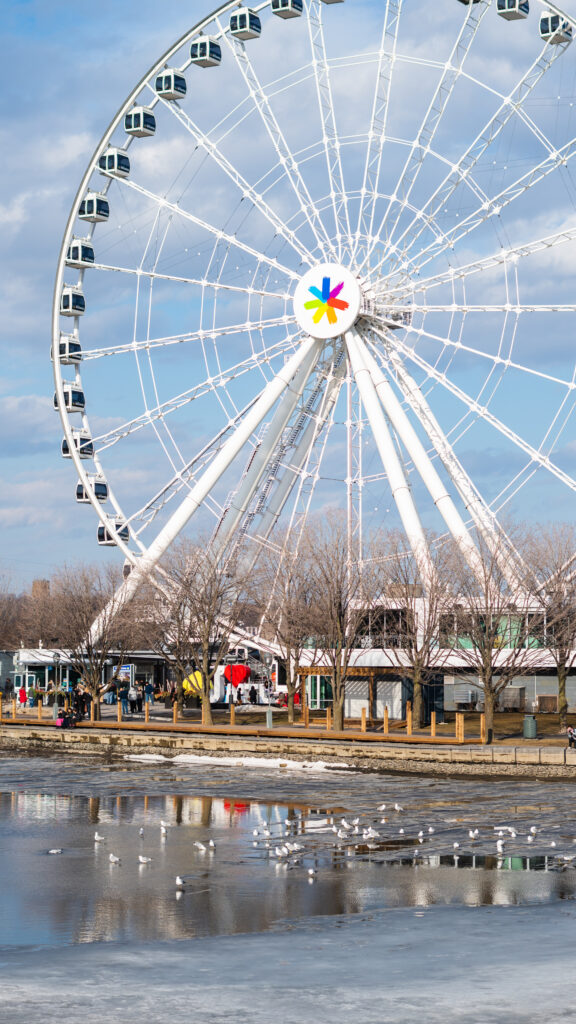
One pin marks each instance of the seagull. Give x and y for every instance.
(144, 860)
(530, 839)
(311, 872)
(163, 831)
(211, 844)
(533, 830)
(200, 846)
(456, 846)
(140, 831)
(430, 830)
(98, 838)
(255, 832)
(180, 881)
(382, 807)
(114, 859)
(164, 824)
(400, 831)
(55, 851)
(355, 821)
(552, 843)
(500, 845)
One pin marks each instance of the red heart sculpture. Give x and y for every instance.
(237, 674)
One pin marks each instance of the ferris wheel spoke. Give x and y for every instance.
(205, 334)
(330, 135)
(512, 105)
(155, 275)
(210, 229)
(497, 259)
(482, 516)
(432, 119)
(495, 204)
(474, 407)
(496, 359)
(248, 191)
(379, 120)
(287, 160)
(210, 384)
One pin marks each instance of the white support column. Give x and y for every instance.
(204, 485)
(483, 517)
(422, 462)
(260, 458)
(392, 465)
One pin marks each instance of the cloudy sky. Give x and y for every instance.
(69, 68)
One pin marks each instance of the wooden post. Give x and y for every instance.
(1, 712)
(459, 727)
(363, 721)
(386, 722)
(14, 710)
(119, 710)
(147, 712)
(39, 709)
(232, 714)
(483, 728)
(328, 719)
(306, 714)
(92, 709)
(175, 712)
(432, 723)
(408, 717)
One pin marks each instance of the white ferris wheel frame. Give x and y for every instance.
(369, 351)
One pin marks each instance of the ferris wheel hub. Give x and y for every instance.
(327, 301)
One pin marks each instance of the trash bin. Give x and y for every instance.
(529, 727)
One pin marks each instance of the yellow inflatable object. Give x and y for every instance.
(193, 684)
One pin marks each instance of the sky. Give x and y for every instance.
(68, 69)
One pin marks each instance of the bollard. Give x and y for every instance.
(14, 710)
(363, 721)
(459, 727)
(92, 710)
(328, 719)
(483, 728)
(408, 717)
(305, 714)
(386, 719)
(119, 711)
(39, 709)
(432, 723)
(146, 712)
(175, 712)
(232, 714)
(269, 723)
(1, 712)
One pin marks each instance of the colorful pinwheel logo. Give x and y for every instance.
(326, 301)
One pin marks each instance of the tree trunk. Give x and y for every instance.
(338, 692)
(180, 697)
(206, 705)
(417, 700)
(562, 701)
(290, 705)
(489, 712)
(96, 706)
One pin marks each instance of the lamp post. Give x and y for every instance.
(56, 684)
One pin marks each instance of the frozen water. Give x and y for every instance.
(388, 929)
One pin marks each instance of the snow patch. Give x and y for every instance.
(278, 763)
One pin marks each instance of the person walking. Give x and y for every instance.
(22, 697)
(149, 693)
(133, 698)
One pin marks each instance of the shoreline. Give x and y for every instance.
(535, 762)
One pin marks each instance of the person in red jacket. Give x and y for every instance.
(22, 696)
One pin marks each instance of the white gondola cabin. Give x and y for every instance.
(82, 443)
(245, 24)
(114, 161)
(80, 253)
(554, 29)
(205, 52)
(170, 85)
(72, 301)
(74, 400)
(69, 350)
(94, 208)
(108, 535)
(98, 486)
(287, 8)
(513, 10)
(140, 122)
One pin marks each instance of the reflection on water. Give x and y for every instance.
(271, 862)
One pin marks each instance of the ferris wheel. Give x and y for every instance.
(322, 257)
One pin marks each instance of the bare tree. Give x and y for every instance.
(192, 619)
(78, 594)
(11, 611)
(344, 587)
(406, 620)
(489, 626)
(289, 607)
(552, 558)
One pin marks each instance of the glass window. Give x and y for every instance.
(87, 254)
(78, 302)
(78, 398)
(123, 163)
(128, 122)
(65, 302)
(149, 122)
(102, 207)
(101, 490)
(180, 83)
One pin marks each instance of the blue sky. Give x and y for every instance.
(68, 68)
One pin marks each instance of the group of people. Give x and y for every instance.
(132, 696)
